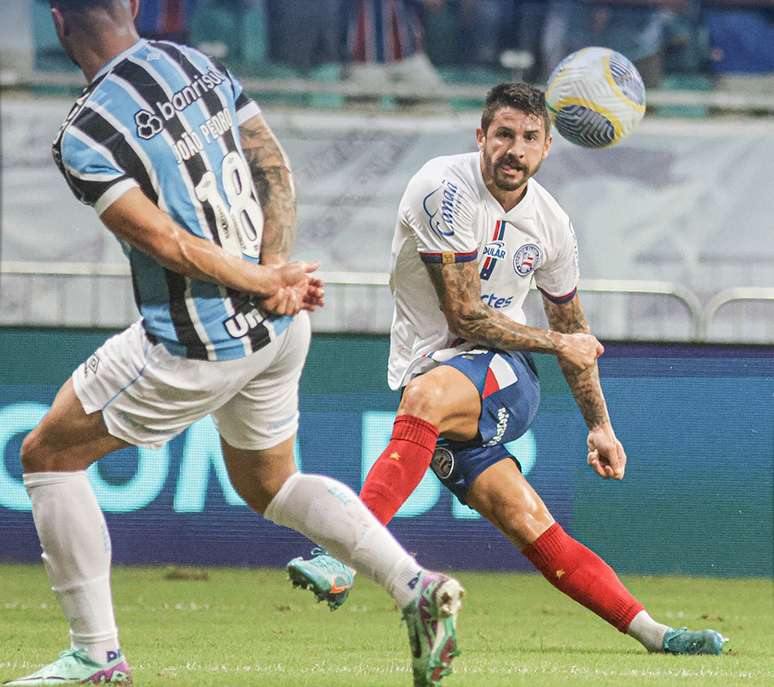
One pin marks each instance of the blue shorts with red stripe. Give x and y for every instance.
(510, 396)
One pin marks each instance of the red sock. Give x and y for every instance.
(583, 576)
(400, 468)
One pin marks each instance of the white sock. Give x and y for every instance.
(76, 553)
(647, 631)
(330, 513)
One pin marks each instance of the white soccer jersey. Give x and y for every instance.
(448, 215)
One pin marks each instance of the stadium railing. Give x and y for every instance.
(755, 102)
(732, 296)
(357, 302)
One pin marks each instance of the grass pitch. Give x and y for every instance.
(248, 627)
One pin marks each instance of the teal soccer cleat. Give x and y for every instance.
(683, 641)
(432, 627)
(329, 579)
(74, 667)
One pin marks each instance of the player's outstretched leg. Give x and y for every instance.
(443, 398)
(504, 497)
(330, 513)
(587, 579)
(392, 478)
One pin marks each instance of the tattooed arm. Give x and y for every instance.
(283, 289)
(459, 293)
(274, 183)
(606, 454)
(569, 318)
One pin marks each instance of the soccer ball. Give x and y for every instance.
(595, 97)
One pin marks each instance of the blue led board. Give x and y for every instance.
(697, 424)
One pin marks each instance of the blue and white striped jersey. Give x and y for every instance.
(165, 118)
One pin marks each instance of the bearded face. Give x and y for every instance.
(512, 148)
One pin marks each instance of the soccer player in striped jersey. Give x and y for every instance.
(180, 165)
(472, 232)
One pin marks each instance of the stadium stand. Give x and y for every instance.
(708, 59)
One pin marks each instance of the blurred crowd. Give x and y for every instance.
(414, 41)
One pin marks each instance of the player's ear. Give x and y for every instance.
(480, 138)
(547, 145)
(134, 8)
(59, 22)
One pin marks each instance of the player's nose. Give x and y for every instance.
(518, 149)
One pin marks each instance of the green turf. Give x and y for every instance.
(247, 627)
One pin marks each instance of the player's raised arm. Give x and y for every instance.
(273, 181)
(135, 219)
(606, 454)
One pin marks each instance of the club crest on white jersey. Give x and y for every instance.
(527, 259)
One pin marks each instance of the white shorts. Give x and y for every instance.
(148, 396)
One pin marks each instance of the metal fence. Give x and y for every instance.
(739, 314)
(321, 93)
(89, 295)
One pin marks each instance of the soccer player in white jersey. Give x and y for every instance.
(160, 135)
(473, 231)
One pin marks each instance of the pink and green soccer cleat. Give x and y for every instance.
(74, 667)
(432, 627)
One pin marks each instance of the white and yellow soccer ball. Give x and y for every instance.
(596, 97)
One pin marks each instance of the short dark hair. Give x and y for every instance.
(83, 6)
(519, 96)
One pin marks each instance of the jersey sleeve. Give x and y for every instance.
(245, 106)
(557, 278)
(92, 172)
(439, 210)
